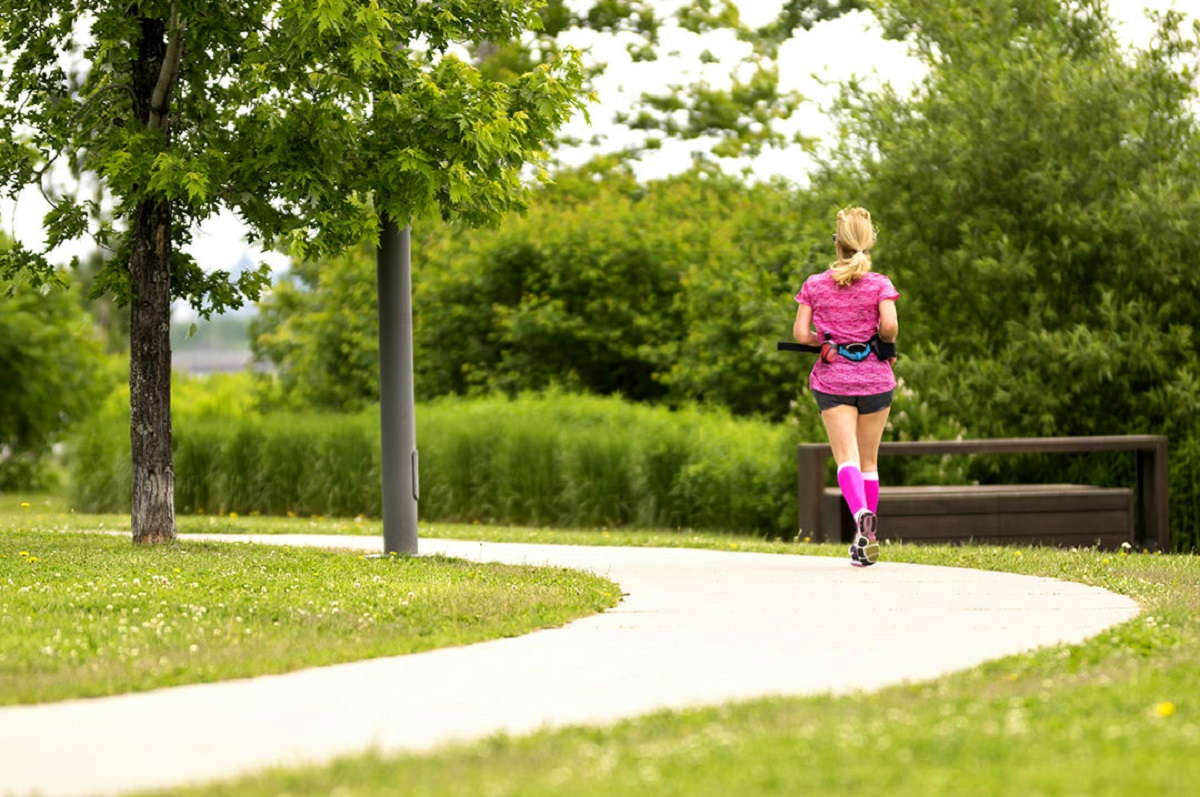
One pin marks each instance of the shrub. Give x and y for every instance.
(54, 375)
(589, 461)
(672, 291)
(554, 459)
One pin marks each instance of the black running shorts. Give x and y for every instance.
(867, 405)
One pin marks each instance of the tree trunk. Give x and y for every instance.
(150, 375)
(150, 307)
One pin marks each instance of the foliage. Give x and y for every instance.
(584, 461)
(612, 287)
(671, 291)
(319, 329)
(720, 116)
(1037, 207)
(550, 460)
(98, 449)
(278, 107)
(54, 375)
(312, 123)
(571, 295)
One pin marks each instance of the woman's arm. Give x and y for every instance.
(802, 330)
(889, 324)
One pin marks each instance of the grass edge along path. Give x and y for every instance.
(89, 615)
(1116, 715)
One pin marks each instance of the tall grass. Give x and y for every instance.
(551, 460)
(1185, 493)
(562, 460)
(584, 461)
(287, 463)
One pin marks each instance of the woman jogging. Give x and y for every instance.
(850, 312)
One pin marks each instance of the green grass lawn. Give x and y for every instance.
(1116, 715)
(84, 615)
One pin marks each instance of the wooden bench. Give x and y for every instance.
(1028, 514)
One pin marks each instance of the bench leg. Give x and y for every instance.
(1154, 485)
(810, 491)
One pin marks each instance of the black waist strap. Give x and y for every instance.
(882, 348)
(787, 346)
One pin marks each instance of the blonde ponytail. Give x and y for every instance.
(855, 237)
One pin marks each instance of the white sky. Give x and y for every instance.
(821, 52)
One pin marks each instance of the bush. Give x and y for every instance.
(668, 292)
(54, 374)
(548, 460)
(562, 460)
(589, 461)
(98, 455)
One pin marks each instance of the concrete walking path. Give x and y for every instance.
(696, 628)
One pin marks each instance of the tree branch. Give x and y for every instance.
(160, 98)
(87, 104)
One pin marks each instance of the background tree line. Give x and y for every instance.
(317, 126)
(1037, 203)
(54, 373)
(1036, 198)
(661, 292)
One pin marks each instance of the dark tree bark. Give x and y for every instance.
(150, 375)
(153, 517)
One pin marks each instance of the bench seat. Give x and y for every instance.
(1035, 514)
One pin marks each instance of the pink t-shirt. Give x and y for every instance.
(851, 315)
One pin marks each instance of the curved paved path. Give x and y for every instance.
(696, 627)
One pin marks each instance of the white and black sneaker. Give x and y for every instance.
(864, 551)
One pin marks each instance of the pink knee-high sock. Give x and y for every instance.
(871, 489)
(850, 479)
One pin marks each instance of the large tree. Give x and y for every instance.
(310, 120)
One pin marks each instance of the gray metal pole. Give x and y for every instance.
(397, 411)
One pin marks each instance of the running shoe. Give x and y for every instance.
(865, 549)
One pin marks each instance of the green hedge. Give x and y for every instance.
(588, 461)
(560, 460)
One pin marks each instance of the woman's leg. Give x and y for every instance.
(841, 425)
(871, 489)
(869, 431)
